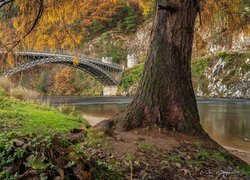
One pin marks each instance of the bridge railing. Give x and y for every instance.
(75, 53)
(61, 52)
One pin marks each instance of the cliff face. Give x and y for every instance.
(225, 75)
(225, 72)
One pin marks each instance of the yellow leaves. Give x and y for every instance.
(146, 6)
(10, 60)
(15, 24)
(76, 61)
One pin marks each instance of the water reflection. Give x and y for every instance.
(227, 121)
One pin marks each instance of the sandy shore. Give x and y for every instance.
(244, 155)
(93, 120)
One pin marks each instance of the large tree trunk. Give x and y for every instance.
(165, 97)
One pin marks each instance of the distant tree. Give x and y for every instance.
(64, 81)
(42, 85)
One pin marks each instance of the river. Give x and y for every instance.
(227, 121)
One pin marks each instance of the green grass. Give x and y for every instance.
(150, 148)
(22, 118)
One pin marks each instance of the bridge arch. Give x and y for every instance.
(103, 72)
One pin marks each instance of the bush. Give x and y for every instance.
(23, 94)
(109, 49)
(198, 66)
(42, 86)
(2, 92)
(6, 84)
(71, 110)
(130, 20)
(223, 54)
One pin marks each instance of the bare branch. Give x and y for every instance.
(4, 2)
(39, 14)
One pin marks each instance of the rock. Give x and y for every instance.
(132, 90)
(247, 77)
(247, 61)
(218, 67)
(237, 94)
(199, 92)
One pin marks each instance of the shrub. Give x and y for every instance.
(68, 110)
(198, 66)
(223, 54)
(6, 84)
(42, 86)
(23, 94)
(2, 92)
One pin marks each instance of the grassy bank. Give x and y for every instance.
(42, 142)
(27, 130)
(23, 118)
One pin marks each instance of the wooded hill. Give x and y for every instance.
(102, 28)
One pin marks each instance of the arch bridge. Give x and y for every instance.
(109, 74)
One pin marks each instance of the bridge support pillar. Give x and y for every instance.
(110, 90)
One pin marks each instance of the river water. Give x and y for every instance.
(227, 121)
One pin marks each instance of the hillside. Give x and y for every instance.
(224, 75)
(112, 29)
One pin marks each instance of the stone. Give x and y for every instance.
(221, 65)
(110, 91)
(107, 60)
(237, 94)
(247, 61)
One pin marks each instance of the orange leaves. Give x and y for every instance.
(64, 81)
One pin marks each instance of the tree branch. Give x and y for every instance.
(39, 14)
(4, 2)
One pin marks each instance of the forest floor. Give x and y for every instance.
(41, 142)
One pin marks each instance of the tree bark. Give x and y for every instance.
(165, 97)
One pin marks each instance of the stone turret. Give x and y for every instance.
(132, 61)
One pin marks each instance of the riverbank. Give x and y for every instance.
(218, 116)
(244, 155)
(39, 141)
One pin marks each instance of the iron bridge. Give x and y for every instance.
(109, 74)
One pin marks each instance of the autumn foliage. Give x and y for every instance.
(64, 81)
